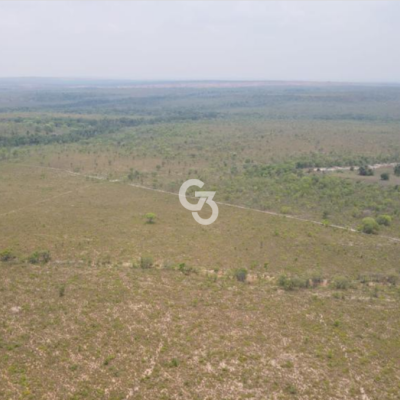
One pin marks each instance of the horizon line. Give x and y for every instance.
(195, 80)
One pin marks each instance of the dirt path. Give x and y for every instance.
(345, 228)
(348, 168)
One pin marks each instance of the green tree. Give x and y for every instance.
(370, 226)
(385, 176)
(150, 217)
(365, 170)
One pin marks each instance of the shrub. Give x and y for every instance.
(241, 274)
(39, 257)
(385, 176)
(392, 280)
(365, 170)
(375, 292)
(150, 217)
(379, 278)
(185, 269)
(146, 262)
(286, 210)
(397, 170)
(174, 363)
(317, 279)
(6, 255)
(340, 283)
(384, 220)
(34, 258)
(300, 282)
(61, 291)
(290, 283)
(370, 226)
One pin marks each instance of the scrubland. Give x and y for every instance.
(96, 302)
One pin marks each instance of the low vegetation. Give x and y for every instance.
(131, 298)
(370, 226)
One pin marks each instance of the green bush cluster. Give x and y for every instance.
(370, 226)
(365, 170)
(384, 220)
(150, 218)
(291, 283)
(39, 257)
(391, 279)
(186, 270)
(341, 283)
(241, 274)
(7, 255)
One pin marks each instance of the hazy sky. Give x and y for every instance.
(270, 40)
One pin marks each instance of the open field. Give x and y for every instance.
(105, 329)
(87, 219)
(97, 303)
(123, 333)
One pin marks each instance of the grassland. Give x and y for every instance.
(317, 314)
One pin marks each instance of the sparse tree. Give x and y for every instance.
(150, 218)
(385, 176)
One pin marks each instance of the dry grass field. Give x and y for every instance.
(76, 332)
(92, 324)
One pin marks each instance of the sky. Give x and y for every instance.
(345, 41)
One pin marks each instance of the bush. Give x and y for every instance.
(6, 255)
(290, 283)
(384, 220)
(365, 170)
(379, 278)
(61, 291)
(146, 262)
(385, 176)
(317, 279)
(370, 226)
(397, 170)
(39, 257)
(392, 280)
(185, 269)
(241, 274)
(286, 210)
(341, 283)
(151, 218)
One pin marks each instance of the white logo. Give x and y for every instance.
(205, 197)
